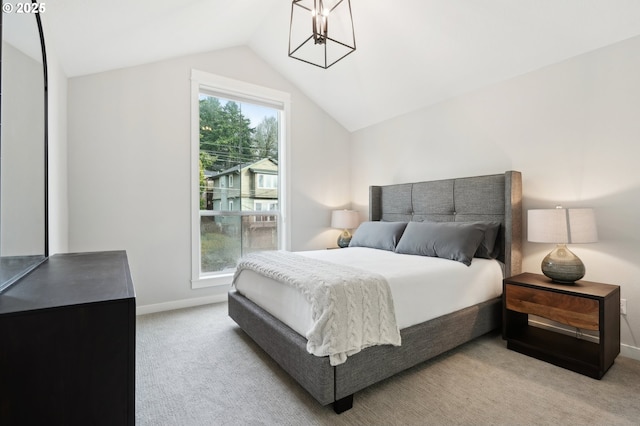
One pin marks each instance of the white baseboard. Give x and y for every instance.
(630, 351)
(179, 304)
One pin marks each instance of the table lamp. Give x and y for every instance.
(562, 226)
(345, 220)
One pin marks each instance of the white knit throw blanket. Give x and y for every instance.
(351, 308)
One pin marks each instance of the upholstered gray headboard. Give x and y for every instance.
(491, 197)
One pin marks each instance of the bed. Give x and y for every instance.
(481, 198)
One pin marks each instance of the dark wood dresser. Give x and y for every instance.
(67, 343)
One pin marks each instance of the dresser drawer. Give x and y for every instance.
(571, 310)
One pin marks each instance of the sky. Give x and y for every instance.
(256, 113)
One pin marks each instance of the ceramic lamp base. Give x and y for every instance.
(562, 266)
(344, 239)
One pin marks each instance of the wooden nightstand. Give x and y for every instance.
(584, 305)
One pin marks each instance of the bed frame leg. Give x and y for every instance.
(343, 404)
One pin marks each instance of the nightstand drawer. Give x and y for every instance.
(575, 311)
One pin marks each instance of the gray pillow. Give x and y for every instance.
(449, 240)
(378, 235)
(488, 249)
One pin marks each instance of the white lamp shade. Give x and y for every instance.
(344, 219)
(562, 226)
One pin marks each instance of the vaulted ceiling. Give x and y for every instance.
(410, 53)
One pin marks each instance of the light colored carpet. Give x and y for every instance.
(196, 367)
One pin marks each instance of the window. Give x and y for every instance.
(238, 163)
(267, 181)
(261, 206)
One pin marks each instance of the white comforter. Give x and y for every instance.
(422, 288)
(351, 308)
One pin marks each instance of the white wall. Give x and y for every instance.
(572, 129)
(129, 168)
(58, 201)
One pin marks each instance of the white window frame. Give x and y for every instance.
(235, 89)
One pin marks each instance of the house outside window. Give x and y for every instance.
(238, 151)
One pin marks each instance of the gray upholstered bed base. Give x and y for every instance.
(492, 197)
(328, 384)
